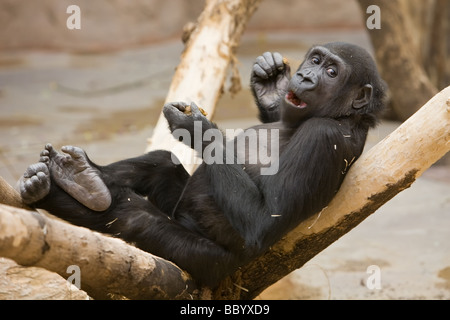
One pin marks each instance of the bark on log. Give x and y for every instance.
(9, 196)
(109, 267)
(388, 168)
(33, 283)
(211, 45)
(22, 283)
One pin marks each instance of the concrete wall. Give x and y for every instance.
(115, 24)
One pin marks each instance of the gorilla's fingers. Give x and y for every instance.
(278, 60)
(270, 62)
(261, 61)
(260, 72)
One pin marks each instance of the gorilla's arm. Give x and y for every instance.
(310, 173)
(269, 81)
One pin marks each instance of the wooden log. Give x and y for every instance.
(201, 74)
(109, 268)
(9, 196)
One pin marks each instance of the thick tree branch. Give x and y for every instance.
(18, 282)
(33, 283)
(9, 196)
(108, 266)
(382, 172)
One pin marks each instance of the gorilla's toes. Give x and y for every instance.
(35, 183)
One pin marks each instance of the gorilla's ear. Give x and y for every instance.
(364, 97)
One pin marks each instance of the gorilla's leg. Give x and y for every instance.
(154, 175)
(77, 176)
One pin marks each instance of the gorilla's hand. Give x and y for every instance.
(181, 115)
(269, 79)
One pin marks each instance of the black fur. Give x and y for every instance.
(225, 215)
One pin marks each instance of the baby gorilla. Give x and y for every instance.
(226, 213)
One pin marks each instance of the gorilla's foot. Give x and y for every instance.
(76, 176)
(34, 185)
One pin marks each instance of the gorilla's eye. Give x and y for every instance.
(315, 60)
(331, 72)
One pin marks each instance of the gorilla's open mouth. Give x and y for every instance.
(293, 99)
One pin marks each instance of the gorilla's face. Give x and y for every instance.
(331, 82)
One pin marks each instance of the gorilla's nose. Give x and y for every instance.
(309, 79)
